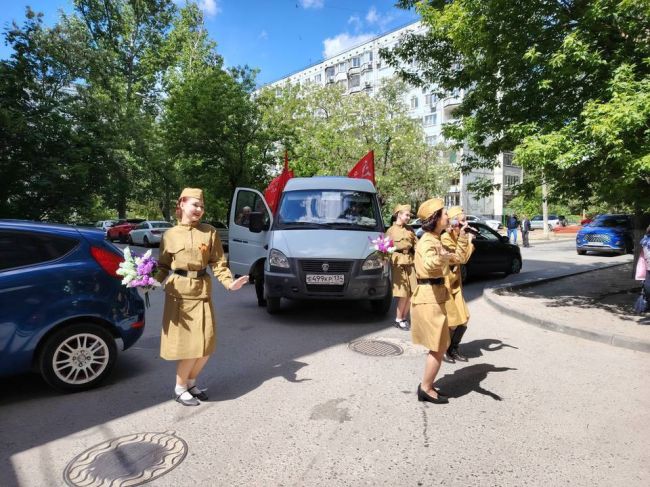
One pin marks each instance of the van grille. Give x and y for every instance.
(333, 266)
(320, 288)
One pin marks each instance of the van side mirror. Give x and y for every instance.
(257, 224)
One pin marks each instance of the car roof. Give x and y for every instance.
(58, 228)
(330, 182)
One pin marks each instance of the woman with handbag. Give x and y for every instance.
(429, 325)
(643, 273)
(188, 329)
(402, 270)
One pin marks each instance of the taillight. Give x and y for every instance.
(109, 261)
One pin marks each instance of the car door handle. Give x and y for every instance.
(240, 241)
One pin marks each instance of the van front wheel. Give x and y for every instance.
(273, 305)
(382, 306)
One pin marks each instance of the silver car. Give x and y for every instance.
(148, 233)
(104, 225)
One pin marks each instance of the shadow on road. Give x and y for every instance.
(468, 379)
(475, 349)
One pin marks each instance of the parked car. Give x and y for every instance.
(104, 225)
(148, 233)
(492, 253)
(222, 230)
(120, 231)
(493, 224)
(608, 234)
(554, 221)
(62, 306)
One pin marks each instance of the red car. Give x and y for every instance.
(120, 231)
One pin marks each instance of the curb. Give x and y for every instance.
(609, 338)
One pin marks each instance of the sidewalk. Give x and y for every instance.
(596, 305)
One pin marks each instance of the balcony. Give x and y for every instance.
(452, 101)
(354, 70)
(341, 76)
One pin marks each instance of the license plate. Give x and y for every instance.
(596, 244)
(327, 279)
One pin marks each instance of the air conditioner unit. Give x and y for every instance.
(368, 85)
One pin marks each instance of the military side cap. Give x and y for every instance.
(429, 207)
(454, 211)
(192, 193)
(399, 208)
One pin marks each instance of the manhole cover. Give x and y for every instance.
(127, 460)
(376, 348)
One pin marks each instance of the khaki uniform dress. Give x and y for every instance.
(189, 328)
(457, 311)
(429, 302)
(403, 270)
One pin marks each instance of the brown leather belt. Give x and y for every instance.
(432, 281)
(191, 274)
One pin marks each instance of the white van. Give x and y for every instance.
(316, 246)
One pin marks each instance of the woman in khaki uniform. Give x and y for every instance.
(188, 329)
(461, 246)
(429, 302)
(403, 271)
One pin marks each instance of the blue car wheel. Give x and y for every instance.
(77, 357)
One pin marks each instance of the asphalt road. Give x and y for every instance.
(292, 404)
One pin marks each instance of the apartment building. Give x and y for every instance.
(361, 69)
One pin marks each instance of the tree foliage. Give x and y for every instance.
(564, 83)
(326, 132)
(98, 112)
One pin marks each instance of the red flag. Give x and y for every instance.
(276, 186)
(365, 168)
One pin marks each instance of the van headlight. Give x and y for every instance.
(373, 262)
(278, 260)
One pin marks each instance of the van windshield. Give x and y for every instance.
(336, 209)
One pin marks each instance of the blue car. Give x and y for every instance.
(62, 306)
(608, 234)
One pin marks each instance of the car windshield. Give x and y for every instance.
(160, 225)
(609, 221)
(336, 209)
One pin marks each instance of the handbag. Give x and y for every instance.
(641, 304)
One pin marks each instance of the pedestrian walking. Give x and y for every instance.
(643, 273)
(457, 241)
(525, 230)
(188, 328)
(512, 223)
(429, 325)
(402, 268)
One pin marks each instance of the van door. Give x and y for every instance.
(245, 247)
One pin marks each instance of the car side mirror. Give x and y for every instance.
(256, 222)
(505, 239)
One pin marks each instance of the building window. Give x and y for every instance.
(511, 181)
(430, 100)
(429, 120)
(355, 81)
(370, 56)
(508, 159)
(317, 78)
(342, 67)
(414, 102)
(431, 139)
(356, 62)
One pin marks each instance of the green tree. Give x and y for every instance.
(326, 132)
(563, 83)
(46, 150)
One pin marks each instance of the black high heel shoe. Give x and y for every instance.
(423, 396)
